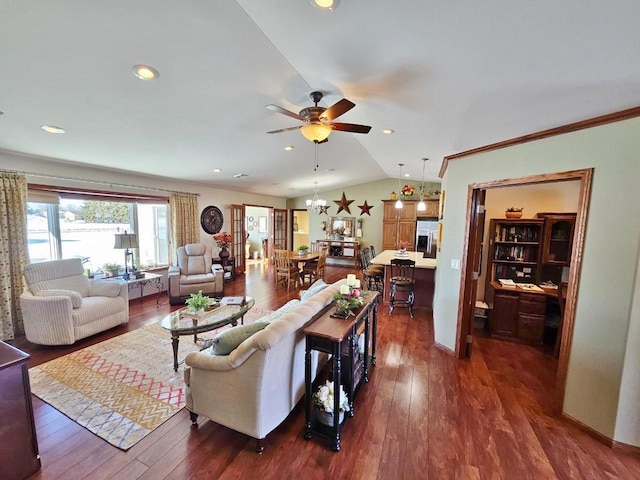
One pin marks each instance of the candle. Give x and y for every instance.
(351, 279)
(357, 285)
(344, 289)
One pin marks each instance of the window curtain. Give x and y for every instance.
(13, 251)
(184, 219)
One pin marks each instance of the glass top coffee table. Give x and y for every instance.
(182, 322)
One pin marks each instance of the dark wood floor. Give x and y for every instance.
(423, 415)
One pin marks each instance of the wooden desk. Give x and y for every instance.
(328, 335)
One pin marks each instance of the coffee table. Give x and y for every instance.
(182, 322)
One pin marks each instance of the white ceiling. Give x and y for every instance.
(446, 75)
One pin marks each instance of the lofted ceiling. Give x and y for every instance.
(447, 76)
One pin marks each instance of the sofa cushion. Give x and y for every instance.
(226, 342)
(197, 278)
(76, 298)
(96, 308)
(281, 312)
(104, 289)
(313, 289)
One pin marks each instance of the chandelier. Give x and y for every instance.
(315, 203)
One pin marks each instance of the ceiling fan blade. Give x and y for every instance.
(276, 108)
(350, 127)
(284, 130)
(337, 109)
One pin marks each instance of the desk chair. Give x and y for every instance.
(402, 280)
(285, 272)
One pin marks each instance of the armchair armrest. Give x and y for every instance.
(173, 279)
(47, 319)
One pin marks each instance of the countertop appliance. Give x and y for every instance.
(427, 237)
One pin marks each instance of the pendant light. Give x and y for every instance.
(422, 206)
(399, 202)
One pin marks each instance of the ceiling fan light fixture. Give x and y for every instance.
(325, 4)
(315, 132)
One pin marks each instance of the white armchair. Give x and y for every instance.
(62, 306)
(194, 272)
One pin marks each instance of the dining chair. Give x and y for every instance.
(285, 272)
(315, 268)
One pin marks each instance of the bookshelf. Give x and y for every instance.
(514, 251)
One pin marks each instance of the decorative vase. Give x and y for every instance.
(326, 418)
(513, 214)
(224, 253)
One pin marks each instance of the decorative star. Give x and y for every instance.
(343, 203)
(365, 208)
(324, 210)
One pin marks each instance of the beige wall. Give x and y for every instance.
(607, 287)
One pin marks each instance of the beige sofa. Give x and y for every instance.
(254, 388)
(62, 306)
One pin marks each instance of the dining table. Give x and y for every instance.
(300, 260)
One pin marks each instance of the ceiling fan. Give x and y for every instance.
(317, 120)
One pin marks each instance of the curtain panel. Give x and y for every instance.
(184, 219)
(13, 251)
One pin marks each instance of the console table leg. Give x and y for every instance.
(307, 391)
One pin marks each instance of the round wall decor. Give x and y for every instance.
(211, 219)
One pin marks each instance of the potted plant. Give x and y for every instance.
(197, 302)
(407, 191)
(347, 300)
(223, 240)
(323, 399)
(302, 249)
(111, 269)
(402, 246)
(513, 212)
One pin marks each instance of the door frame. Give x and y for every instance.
(464, 325)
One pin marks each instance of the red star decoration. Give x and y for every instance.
(343, 204)
(324, 210)
(365, 208)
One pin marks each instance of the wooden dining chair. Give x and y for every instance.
(315, 269)
(285, 272)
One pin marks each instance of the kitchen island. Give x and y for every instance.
(424, 276)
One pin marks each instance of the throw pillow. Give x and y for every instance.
(103, 288)
(76, 298)
(313, 289)
(281, 312)
(226, 342)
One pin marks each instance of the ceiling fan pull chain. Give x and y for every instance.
(316, 168)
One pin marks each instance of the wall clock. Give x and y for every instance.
(211, 219)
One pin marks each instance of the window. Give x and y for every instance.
(85, 228)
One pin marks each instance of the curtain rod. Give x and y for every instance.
(97, 182)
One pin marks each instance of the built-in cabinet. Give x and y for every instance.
(518, 316)
(399, 224)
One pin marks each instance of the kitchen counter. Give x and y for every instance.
(424, 277)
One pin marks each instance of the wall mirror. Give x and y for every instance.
(343, 226)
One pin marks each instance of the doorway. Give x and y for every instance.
(300, 228)
(257, 233)
(472, 254)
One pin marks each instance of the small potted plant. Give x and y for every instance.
(324, 402)
(302, 249)
(513, 212)
(111, 269)
(402, 246)
(197, 302)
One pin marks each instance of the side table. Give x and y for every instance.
(229, 266)
(154, 279)
(338, 337)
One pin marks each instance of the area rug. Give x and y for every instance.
(123, 388)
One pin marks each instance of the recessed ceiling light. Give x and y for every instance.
(52, 129)
(240, 175)
(217, 170)
(145, 72)
(325, 4)
(289, 147)
(331, 169)
(407, 174)
(388, 131)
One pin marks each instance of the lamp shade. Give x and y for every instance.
(126, 240)
(315, 132)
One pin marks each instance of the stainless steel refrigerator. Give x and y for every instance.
(427, 237)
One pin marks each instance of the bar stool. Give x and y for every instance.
(402, 280)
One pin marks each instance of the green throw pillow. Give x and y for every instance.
(226, 342)
(313, 289)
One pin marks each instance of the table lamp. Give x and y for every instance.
(126, 240)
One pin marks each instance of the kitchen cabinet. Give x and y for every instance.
(399, 224)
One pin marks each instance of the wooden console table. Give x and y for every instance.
(339, 337)
(18, 443)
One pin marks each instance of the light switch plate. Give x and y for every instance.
(455, 264)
